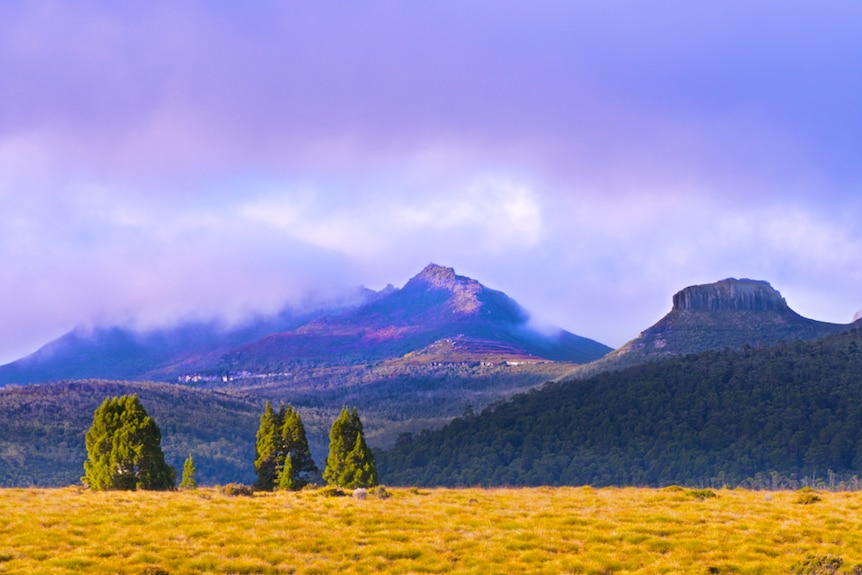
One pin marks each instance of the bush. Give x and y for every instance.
(379, 492)
(673, 488)
(237, 489)
(807, 496)
(330, 491)
(360, 493)
(817, 565)
(701, 493)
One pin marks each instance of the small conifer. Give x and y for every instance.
(189, 481)
(286, 478)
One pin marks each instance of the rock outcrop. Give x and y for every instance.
(730, 294)
(731, 313)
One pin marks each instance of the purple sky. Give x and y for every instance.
(174, 159)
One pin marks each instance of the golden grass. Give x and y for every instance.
(477, 531)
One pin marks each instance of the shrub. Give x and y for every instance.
(807, 496)
(237, 489)
(330, 491)
(673, 488)
(380, 492)
(817, 565)
(701, 493)
(360, 493)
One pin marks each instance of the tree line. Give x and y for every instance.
(774, 416)
(124, 451)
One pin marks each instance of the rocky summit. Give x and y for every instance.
(730, 294)
(731, 313)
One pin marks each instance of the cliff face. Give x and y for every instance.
(730, 294)
(731, 313)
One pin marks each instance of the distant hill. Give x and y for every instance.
(435, 307)
(730, 313)
(43, 425)
(765, 417)
(43, 428)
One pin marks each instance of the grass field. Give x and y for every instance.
(507, 531)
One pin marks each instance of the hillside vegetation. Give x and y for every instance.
(42, 443)
(782, 415)
(513, 531)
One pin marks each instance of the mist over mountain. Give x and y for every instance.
(126, 353)
(436, 316)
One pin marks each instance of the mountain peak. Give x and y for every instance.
(730, 294)
(857, 316)
(437, 276)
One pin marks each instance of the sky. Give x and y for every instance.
(161, 161)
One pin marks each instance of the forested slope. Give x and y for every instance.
(42, 430)
(793, 410)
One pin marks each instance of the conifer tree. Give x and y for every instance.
(189, 481)
(286, 479)
(350, 462)
(124, 448)
(294, 447)
(266, 459)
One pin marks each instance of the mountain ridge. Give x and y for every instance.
(433, 306)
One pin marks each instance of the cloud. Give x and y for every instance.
(163, 159)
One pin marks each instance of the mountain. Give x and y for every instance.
(163, 354)
(437, 313)
(730, 313)
(437, 316)
(769, 417)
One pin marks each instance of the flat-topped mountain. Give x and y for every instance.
(434, 307)
(730, 313)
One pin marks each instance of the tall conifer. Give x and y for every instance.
(294, 445)
(350, 462)
(267, 448)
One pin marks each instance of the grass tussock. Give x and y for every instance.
(461, 531)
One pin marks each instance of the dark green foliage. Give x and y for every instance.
(818, 565)
(286, 478)
(42, 442)
(124, 449)
(237, 490)
(296, 455)
(766, 417)
(189, 481)
(267, 448)
(350, 462)
(330, 491)
(283, 457)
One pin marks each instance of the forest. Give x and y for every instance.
(773, 417)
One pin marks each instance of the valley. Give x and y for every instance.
(445, 361)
